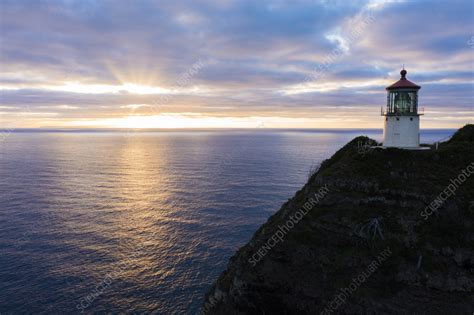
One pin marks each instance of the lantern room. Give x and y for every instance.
(402, 96)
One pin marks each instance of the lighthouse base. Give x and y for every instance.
(407, 148)
(401, 132)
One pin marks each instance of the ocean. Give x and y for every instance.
(142, 222)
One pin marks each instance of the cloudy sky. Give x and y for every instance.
(224, 63)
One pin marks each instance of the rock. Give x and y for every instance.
(459, 257)
(447, 251)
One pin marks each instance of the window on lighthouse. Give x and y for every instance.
(402, 102)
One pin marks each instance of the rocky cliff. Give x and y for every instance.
(374, 231)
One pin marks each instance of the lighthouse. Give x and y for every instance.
(402, 118)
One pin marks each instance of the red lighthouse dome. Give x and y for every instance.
(403, 83)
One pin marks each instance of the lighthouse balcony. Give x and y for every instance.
(405, 112)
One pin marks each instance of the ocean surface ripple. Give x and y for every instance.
(142, 222)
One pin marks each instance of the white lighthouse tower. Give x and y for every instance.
(402, 118)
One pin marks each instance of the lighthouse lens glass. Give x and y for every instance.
(402, 102)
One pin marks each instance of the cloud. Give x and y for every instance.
(255, 53)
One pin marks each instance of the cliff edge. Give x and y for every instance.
(374, 231)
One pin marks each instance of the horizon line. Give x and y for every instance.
(198, 129)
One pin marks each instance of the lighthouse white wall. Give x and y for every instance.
(401, 131)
